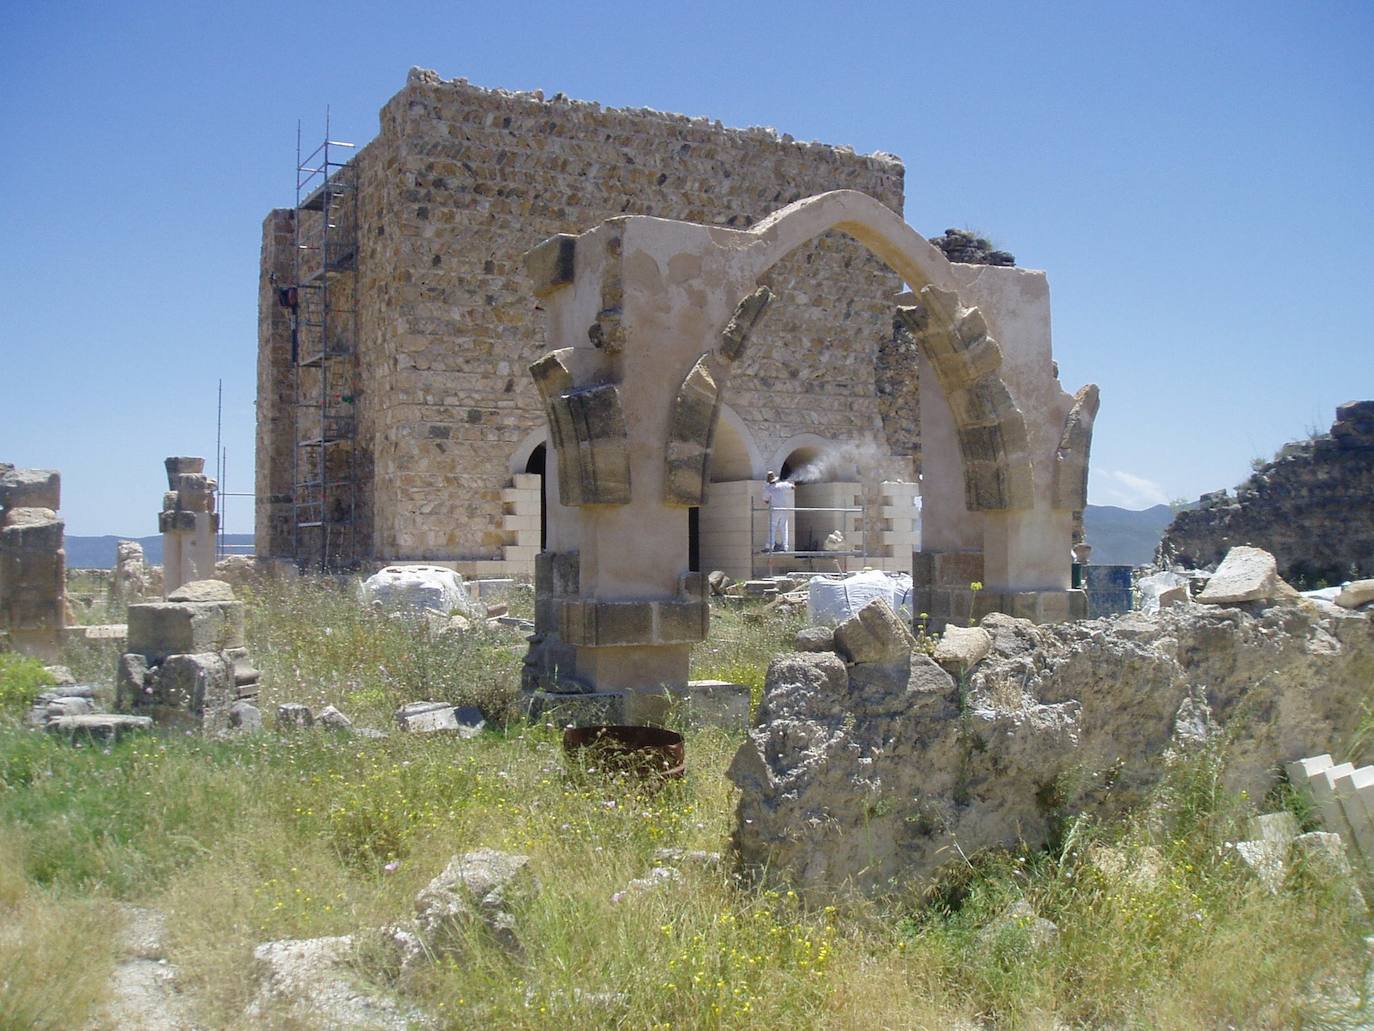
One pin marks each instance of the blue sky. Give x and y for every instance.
(1197, 179)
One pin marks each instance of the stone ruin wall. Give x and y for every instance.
(458, 184)
(1310, 508)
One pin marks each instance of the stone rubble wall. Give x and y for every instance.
(1310, 507)
(864, 773)
(459, 183)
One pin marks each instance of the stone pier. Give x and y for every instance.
(188, 524)
(33, 575)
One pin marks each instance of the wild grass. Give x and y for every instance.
(55, 951)
(262, 838)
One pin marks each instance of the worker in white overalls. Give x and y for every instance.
(778, 496)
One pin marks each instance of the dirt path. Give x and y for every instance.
(144, 993)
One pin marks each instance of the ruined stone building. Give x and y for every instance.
(1310, 508)
(397, 418)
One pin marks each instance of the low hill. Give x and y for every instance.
(1120, 536)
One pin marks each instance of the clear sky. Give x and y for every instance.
(1196, 178)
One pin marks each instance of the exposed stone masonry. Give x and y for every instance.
(970, 249)
(457, 185)
(33, 580)
(1310, 507)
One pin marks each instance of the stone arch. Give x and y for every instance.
(795, 443)
(734, 453)
(991, 429)
(520, 457)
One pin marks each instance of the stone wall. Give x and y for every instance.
(1310, 508)
(458, 184)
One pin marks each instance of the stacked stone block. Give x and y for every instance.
(187, 662)
(948, 589)
(188, 524)
(1343, 796)
(33, 580)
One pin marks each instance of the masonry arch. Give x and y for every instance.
(990, 429)
(734, 454)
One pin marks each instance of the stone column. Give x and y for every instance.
(188, 524)
(33, 574)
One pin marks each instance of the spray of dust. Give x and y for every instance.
(863, 461)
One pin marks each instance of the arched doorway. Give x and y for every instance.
(536, 465)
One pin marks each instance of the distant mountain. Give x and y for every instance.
(99, 552)
(1120, 536)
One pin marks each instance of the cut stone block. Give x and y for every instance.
(162, 628)
(874, 634)
(131, 675)
(31, 488)
(195, 683)
(601, 708)
(294, 716)
(426, 717)
(203, 590)
(1245, 574)
(715, 703)
(245, 717)
(100, 727)
(1355, 594)
(961, 648)
(1355, 792)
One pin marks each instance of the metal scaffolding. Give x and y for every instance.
(324, 349)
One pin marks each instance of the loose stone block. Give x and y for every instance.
(874, 634)
(294, 716)
(1246, 574)
(30, 488)
(715, 703)
(591, 709)
(160, 629)
(962, 648)
(100, 727)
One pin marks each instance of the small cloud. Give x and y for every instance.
(1125, 490)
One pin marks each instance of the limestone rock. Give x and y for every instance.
(961, 648)
(815, 639)
(294, 716)
(333, 719)
(854, 778)
(421, 588)
(203, 590)
(481, 887)
(1019, 928)
(1246, 574)
(658, 877)
(60, 675)
(245, 717)
(874, 634)
(1173, 596)
(1355, 594)
(312, 980)
(1321, 856)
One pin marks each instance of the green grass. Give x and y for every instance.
(256, 839)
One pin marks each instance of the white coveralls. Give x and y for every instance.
(780, 498)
